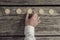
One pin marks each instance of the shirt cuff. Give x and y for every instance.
(29, 31)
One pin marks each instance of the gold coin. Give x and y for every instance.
(18, 11)
(51, 11)
(7, 11)
(29, 11)
(41, 11)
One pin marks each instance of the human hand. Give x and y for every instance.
(33, 21)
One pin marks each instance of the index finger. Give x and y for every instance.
(34, 14)
(27, 16)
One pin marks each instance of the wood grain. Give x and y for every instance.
(22, 38)
(31, 2)
(13, 24)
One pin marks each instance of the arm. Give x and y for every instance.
(29, 33)
(31, 23)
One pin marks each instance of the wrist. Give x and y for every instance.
(29, 25)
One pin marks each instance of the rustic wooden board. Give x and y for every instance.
(13, 23)
(37, 38)
(48, 38)
(29, 2)
(11, 38)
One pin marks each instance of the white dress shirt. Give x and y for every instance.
(29, 33)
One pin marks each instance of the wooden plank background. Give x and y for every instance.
(38, 38)
(13, 24)
(29, 2)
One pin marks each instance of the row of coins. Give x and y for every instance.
(41, 11)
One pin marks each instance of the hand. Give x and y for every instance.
(33, 21)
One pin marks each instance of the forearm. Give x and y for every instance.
(29, 33)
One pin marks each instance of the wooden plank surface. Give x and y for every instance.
(37, 38)
(29, 2)
(13, 23)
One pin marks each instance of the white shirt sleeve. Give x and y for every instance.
(29, 33)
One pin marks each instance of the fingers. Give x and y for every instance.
(35, 16)
(39, 20)
(27, 16)
(33, 12)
